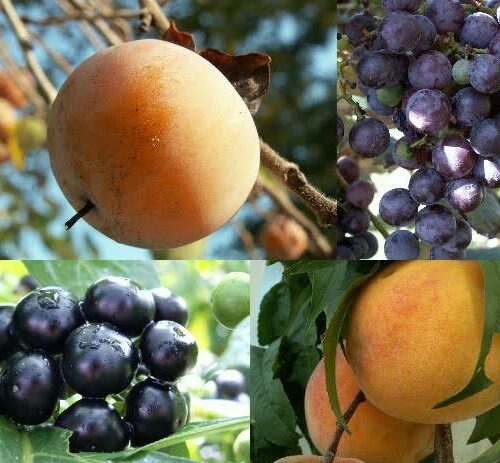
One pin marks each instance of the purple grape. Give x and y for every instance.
(401, 245)
(431, 69)
(453, 157)
(355, 221)
(487, 171)
(407, 5)
(478, 30)
(360, 193)
(428, 110)
(376, 106)
(428, 31)
(470, 106)
(407, 157)
(461, 239)
(369, 137)
(340, 130)
(357, 26)
(447, 15)
(435, 224)
(464, 194)
(344, 253)
(440, 253)
(491, 3)
(401, 122)
(400, 32)
(485, 137)
(397, 207)
(484, 73)
(371, 239)
(348, 168)
(358, 245)
(426, 186)
(379, 68)
(494, 47)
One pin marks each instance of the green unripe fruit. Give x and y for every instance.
(390, 96)
(460, 71)
(231, 299)
(241, 447)
(31, 132)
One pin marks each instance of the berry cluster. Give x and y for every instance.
(50, 342)
(431, 71)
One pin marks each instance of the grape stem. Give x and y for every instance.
(359, 398)
(323, 207)
(443, 444)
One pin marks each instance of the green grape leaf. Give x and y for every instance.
(77, 275)
(487, 427)
(274, 313)
(270, 409)
(490, 456)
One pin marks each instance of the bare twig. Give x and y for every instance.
(59, 59)
(318, 243)
(289, 173)
(160, 21)
(246, 237)
(443, 444)
(100, 24)
(81, 15)
(48, 90)
(90, 34)
(339, 429)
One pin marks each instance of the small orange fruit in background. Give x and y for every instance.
(157, 139)
(283, 238)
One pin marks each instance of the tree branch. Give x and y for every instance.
(339, 429)
(59, 59)
(289, 173)
(83, 15)
(443, 444)
(159, 19)
(49, 92)
(319, 245)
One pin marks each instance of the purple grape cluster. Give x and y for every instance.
(431, 71)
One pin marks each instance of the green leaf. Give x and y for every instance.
(332, 338)
(479, 382)
(274, 313)
(490, 456)
(78, 275)
(306, 266)
(191, 431)
(41, 445)
(270, 409)
(487, 427)
(154, 457)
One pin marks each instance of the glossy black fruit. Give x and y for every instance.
(230, 384)
(27, 283)
(30, 387)
(45, 317)
(168, 350)
(170, 307)
(96, 426)
(98, 360)
(154, 411)
(7, 343)
(119, 302)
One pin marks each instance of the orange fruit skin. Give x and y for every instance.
(375, 437)
(283, 238)
(414, 339)
(157, 139)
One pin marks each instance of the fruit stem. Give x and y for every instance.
(89, 206)
(443, 444)
(339, 429)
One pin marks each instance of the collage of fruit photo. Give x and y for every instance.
(189, 274)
